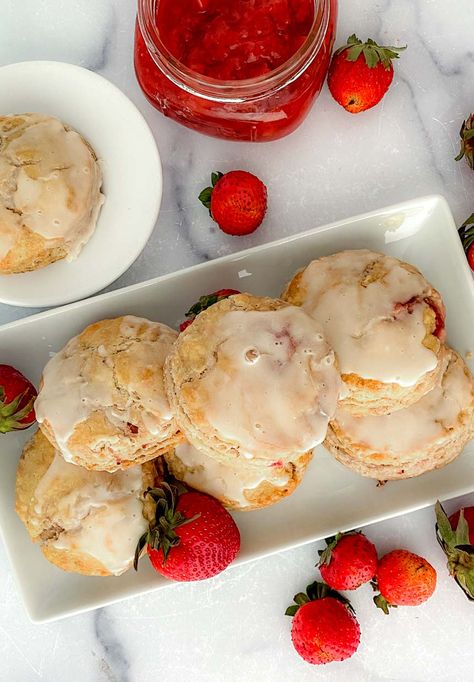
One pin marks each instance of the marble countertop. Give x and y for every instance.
(335, 165)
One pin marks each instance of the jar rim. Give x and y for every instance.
(232, 90)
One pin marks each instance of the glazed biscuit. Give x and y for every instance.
(252, 378)
(238, 486)
(50, 195)
(85, 522)
(102, 402)
(384, 321)
(409, 442)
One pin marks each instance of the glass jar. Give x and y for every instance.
(257, 109)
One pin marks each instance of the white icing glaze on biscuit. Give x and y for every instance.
(76, 384)
(228, 481)
(417, 426)
(101, 515)
(49, 183)
(274, 385)
(372, 336)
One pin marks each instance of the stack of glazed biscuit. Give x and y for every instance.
(409, 399)
(103, 416)
(352, 355)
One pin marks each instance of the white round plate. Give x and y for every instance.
(131, 169)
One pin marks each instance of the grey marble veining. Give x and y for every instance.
(335, 165)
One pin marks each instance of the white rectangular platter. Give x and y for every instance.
(330, 498)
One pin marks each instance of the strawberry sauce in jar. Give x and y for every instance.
(238, 69)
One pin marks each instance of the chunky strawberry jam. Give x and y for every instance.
(243, 70)
(234, 40)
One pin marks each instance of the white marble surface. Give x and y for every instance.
(335, 165)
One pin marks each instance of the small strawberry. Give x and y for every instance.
(205, 302)
(456, 536)
(360, 73)
(467, 141)
(404, 579)
(349, 561)
(17, 397)
(466, 235)
(237, 201)
(324, 626)
(192, 536)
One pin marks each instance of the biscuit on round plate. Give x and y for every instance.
(102, 402)
(253, 378)
(409, 442)
(50, 194)
(86, 522)
(239, 485)
(384, 321)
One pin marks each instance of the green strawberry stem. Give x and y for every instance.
(373, 53)
(205, 195)
(331, 542)
(315, 591)
(458, 550)
(10, 415)
(162, 531)
(467, 141)
(466, 233)
(383, 604)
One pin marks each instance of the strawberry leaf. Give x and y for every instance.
(371, 56)
(314, 591)
(444, 527)
(373, 53)
(301, 598)
(462, 531)
(467, 141)
(354, 40)
(292, 610)
(353, 53)
(139, 550)
(205, 197)
(383, 604)
(215, 177)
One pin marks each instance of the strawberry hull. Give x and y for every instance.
(17, 396)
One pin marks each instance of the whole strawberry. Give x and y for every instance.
(466, 235)
(456, 537)
(237, 201)
(17, 397)
(192, 536)
(205, 302)
(324, 626)
(361, 73)
(467, 141)
(404, 579)
(349, 561)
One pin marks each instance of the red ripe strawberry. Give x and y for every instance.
(192, 536)
(236, 200)
(17, 397)
(404, 579)
(456, 537)
(324, 626)
(349, 561)
(467, 141)
(205, 302)
(184, 325)
(466, 235)
(360, 73)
